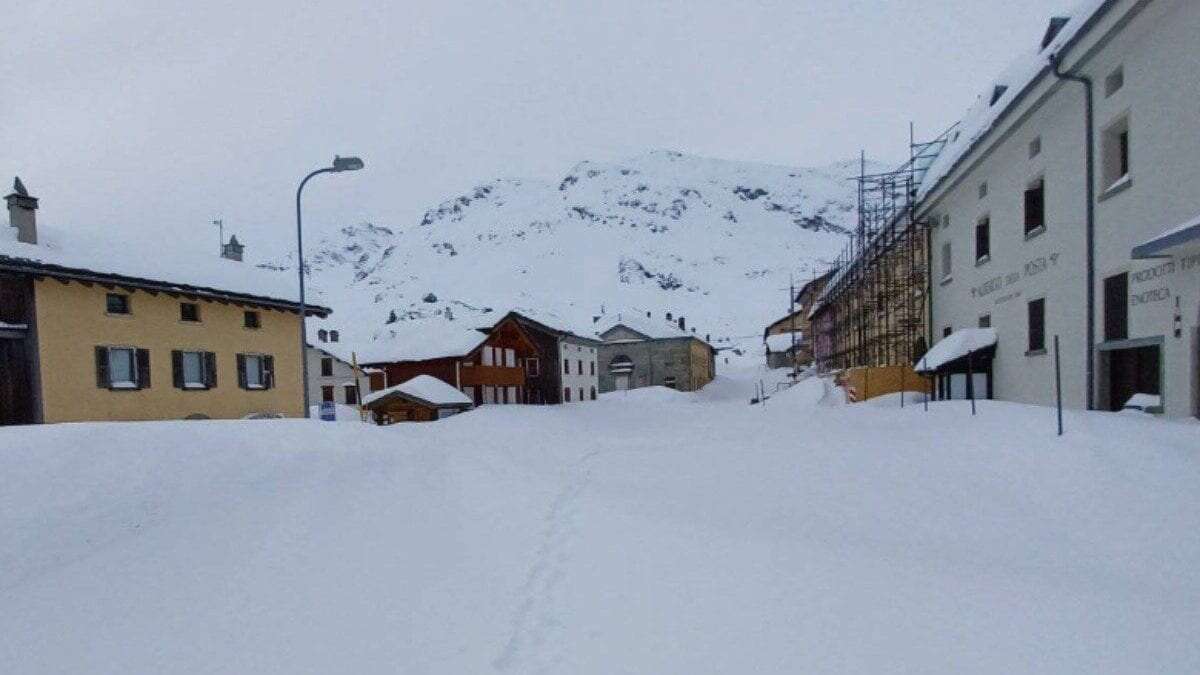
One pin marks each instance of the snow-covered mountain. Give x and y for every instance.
(708, 239)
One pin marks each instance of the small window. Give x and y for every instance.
(946, 220)
(510, 358)
(983, 189)
(333, 336)
(326, 367)
(327, 393)
(250, 320)
(1116, 152)
(1037, 325)
(486, 356)
(1114, 81)
(533, 367)
(566, 394)
(351, 394)
(1035, 147)
(592, 365)
(579, 367)
(985, 321)
(593, 393)
(1035, 206)
(189, 311)
(323, 335)
(947, 261)
(116, 303)
(566, 366)
(983, 240)
(669, 382)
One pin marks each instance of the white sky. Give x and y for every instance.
(147, 115)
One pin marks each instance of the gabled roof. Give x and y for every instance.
(148, 265)
(422, 389)
(422, 344)
(542, 326)
(649, 328)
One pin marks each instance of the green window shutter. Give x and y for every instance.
(241, 368)
(210, 370)
(102, 380)
(177, 368)
(143, 369)
(268, 364)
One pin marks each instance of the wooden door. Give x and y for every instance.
(16, 394)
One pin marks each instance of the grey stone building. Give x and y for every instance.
(639, 351)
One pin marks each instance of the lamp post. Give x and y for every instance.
(339, 164)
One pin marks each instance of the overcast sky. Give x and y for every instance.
(146, 115)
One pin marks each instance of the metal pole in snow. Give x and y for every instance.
(1058, 386)
(971, 378)
(925, 369)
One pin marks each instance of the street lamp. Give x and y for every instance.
(339, 164)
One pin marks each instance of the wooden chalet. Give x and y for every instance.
(488, 366)
(559, 366)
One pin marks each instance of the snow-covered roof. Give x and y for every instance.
(955, 346)
(782, 342)
(639, 323)
(1003, 92)
(552, 323)
(1187, 233)
(422, 345)
(149, 260)
(425, 388)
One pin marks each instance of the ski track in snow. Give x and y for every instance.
(537, 628)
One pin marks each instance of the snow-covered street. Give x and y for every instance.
(649, 532)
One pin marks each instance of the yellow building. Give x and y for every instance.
(90, 331)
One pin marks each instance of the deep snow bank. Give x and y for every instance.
(645, 533)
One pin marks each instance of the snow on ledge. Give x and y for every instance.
(782, 342)
(955, 346)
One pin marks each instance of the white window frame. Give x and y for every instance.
(510, 357)
(183, 358)
(258, 361)
(113, 382)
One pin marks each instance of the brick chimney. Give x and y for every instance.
(232, 249)
(22, 213)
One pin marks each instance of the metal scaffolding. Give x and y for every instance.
(876, 299)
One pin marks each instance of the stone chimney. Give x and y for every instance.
(232, 249)
(682, 324)
(22, 213)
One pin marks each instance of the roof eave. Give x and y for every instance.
(24, 266)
